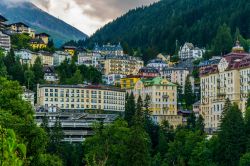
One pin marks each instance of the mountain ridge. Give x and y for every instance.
(42, 21)
(160, 25)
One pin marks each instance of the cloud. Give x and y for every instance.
(86, 15)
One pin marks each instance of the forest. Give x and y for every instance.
(168, 24)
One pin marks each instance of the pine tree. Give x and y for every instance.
(226, 107)
(191, 122)
(247, 125)
(223, 41)
(248, 101)
(45, 124)
(231, 137)
(188, 93)
(38, 71)
(139, 111)
(3, 69)
(130, 109)
(57, 136)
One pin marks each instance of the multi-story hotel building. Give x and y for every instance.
(176, 75)
(81, 97)
(230, 78)
(163, 99)
(5, 42)
(124, 65)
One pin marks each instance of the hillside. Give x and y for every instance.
(158, 26)
(42, 22)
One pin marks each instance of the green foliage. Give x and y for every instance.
(12, 153)
(56, 137)
(20, 41)
(3, 69)
(109, 145)
(14, 67)
(231, 137)
(38, 71)
(223, 41)
(130, 109)
(48, 160)
(69, 74)
(189, 96)
(245, 160)
(76, 78)
(183, 145)
(161, 24)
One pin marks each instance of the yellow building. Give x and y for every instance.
(163, 99)
(230, 78)
(70, 49)
(129, 81)
(44, 37)
(37, 44)
(125, 65)
(81, 97)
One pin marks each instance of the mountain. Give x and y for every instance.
(167, 23)
(41, 21)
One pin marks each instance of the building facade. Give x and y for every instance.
(109, 49)
(124, 65)
(176, 75)
(163, 99)
(60, 56)
(157, 64)
(76, 125)
(188, 51)
(5, 42)
(129, 81)
(230, 78)
(81, 97)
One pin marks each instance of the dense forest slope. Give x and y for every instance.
(160, 25)
(41, 22)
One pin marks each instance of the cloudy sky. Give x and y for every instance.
(86, 15)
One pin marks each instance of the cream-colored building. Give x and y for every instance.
(163, 99)
(176, 75)
(47, 58)
(81, 97)
(228, 79)
(125, 65)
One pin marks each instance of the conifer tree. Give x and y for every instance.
(38, 70)
(231, 137)
(188, 93)
(223, 41)
(130, 109)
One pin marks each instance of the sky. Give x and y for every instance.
(86, 15)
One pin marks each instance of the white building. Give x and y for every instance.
(28, 96)
(50, 74)
(176, 75)
(158, 64)
(60, 56)
(81, 97)
(5, 42)
(24, 55)
(188, 51)
(112, 79)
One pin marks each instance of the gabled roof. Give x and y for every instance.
(19, 24)
(37, 41)
(43, 34)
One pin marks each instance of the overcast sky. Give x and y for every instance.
(86, 15)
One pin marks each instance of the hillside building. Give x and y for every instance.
(230, 78)
(81, 97)
(188, 51)
(163, 99)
